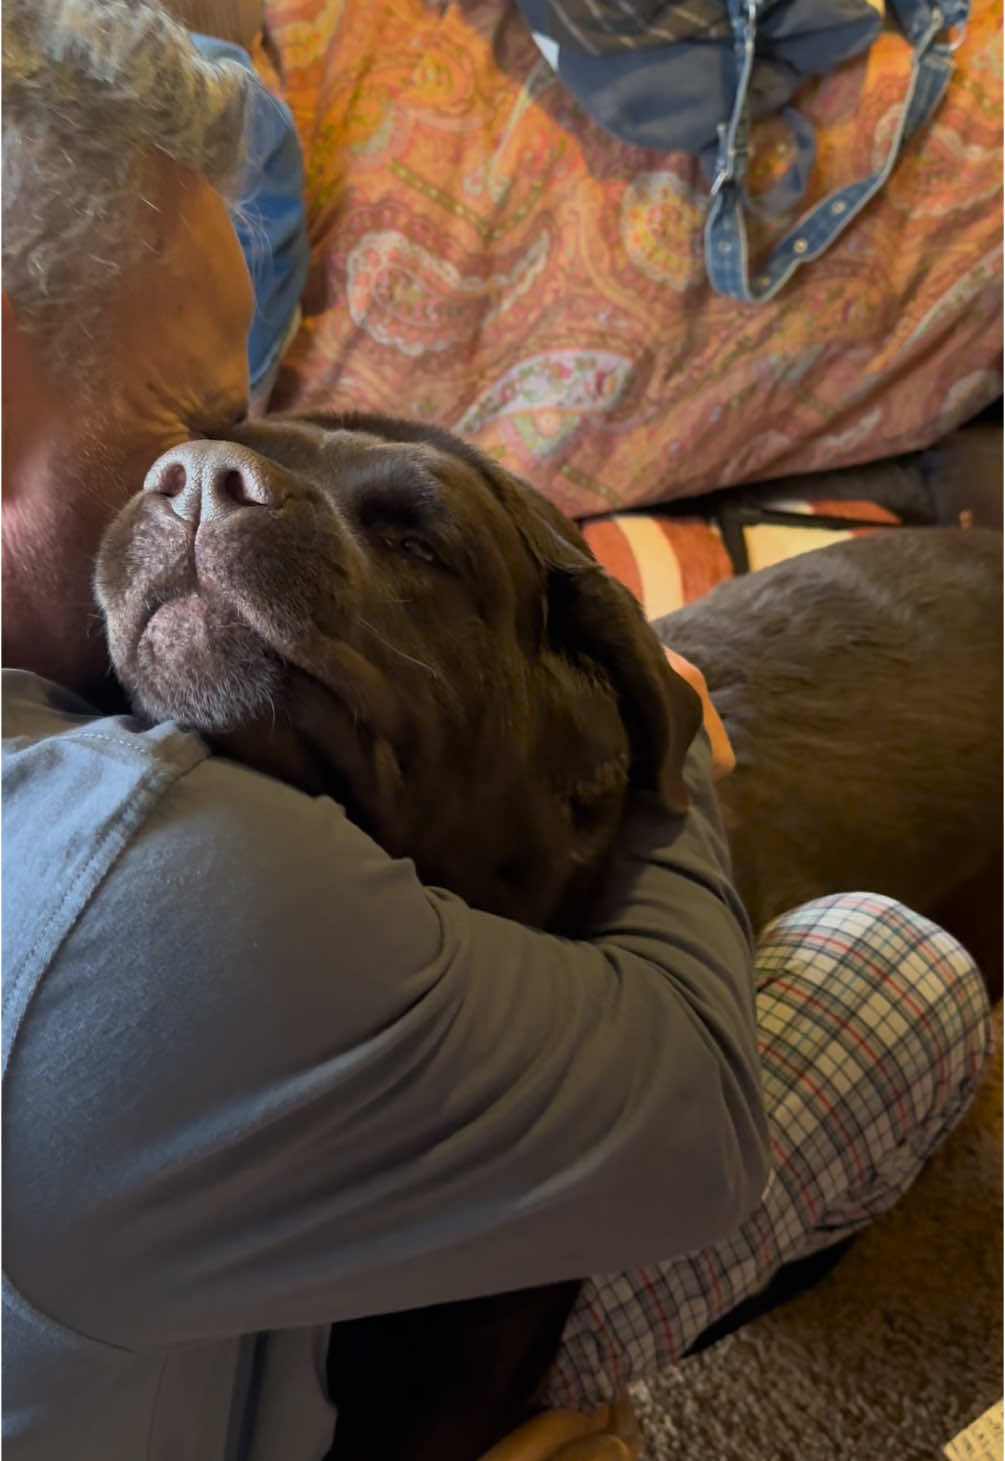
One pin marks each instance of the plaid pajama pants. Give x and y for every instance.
(874, 1029)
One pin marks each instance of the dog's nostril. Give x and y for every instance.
(172, 480)
(242, 486)
(238, 489)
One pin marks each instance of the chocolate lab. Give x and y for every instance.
(373, 610)
(381, 614)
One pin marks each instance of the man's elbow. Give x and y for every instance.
(728, 1158)
(744, 1172)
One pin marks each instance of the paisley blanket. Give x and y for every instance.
(484, 256)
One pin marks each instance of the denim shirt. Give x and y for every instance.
(270, 217)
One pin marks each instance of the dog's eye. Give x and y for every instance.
(417, 548)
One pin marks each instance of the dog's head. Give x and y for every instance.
(372, 609)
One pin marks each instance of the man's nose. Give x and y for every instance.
(206, 481)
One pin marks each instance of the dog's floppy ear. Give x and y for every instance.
(591, 616)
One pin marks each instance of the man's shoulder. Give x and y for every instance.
(76, 787)
(132, 837)
(79, 786)
(70, 774)
(38, 713)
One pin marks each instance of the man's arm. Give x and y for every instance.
(292, 1085)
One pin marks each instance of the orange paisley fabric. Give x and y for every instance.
(487, 258)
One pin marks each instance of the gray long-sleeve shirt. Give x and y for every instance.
(257, 1078)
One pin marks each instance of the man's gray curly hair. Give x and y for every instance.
(91, 89)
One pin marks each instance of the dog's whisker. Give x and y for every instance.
(394, 648)
(271, 700)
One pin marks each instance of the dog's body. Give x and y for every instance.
(374, 610)
(861, 686)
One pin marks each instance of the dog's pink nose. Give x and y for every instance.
(208, 480)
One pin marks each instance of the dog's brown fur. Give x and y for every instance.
(861, 685)
(397, 621)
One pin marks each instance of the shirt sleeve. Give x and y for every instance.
(272, 1080)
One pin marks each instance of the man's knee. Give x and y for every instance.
(896, 1000)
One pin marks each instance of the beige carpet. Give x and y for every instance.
(889, 1357)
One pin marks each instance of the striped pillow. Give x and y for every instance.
(669, 560)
